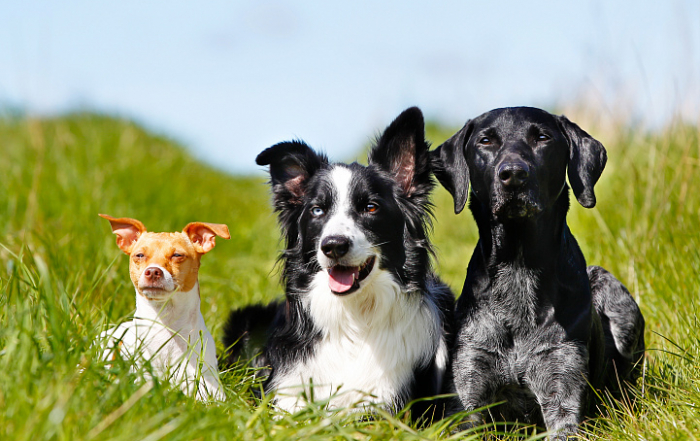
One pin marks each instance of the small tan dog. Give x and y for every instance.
(168, 328)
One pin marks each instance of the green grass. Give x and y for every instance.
(63, 280)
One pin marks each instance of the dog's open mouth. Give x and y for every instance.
(346, 279)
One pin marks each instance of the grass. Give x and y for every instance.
(63, 280)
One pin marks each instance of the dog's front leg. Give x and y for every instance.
(475, 381)
(558, 378)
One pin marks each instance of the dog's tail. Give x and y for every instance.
(245, 334)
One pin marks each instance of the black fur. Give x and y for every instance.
(245, 333)
(534, 325)
(398, 181)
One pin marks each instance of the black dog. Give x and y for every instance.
(535, 326)
(364, 313)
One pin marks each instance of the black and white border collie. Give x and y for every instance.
(365, 319)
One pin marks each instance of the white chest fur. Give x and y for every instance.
(372, 341)
(173, 337)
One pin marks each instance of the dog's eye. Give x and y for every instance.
(177, 255)
(317, 211)
(542, 137)
(140, 256)
(371, 207)
(485, 140)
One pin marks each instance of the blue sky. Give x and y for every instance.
(229, 79)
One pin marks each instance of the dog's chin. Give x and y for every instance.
(155, 293)
(515, 207)
(344, 280)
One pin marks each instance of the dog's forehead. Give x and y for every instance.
(164, 241)
(515, 119)
(350, 179)
(321, 183)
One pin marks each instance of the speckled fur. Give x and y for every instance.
(535, 326)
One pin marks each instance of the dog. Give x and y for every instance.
(365, 321)
(534, 325)
(168, 329)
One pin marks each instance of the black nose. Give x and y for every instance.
(513, 174)
(335, 246)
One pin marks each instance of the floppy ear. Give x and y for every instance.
(291, 166)
(403, 152)
(450, 166)
(203, 235)
(127, 230)
(587, 158)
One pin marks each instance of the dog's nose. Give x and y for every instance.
(513, 174)
(335, 247)
(153, 273)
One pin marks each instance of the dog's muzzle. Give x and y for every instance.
(156, 282)
(343, 278)
(514, 206)
(513, 195)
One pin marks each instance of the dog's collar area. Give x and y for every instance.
(344, 280)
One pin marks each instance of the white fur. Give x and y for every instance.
(341, 224)
(171, 333)
(372, 340)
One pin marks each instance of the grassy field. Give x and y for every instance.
(63, 280)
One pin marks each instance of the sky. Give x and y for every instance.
(230, 78)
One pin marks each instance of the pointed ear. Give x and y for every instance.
(291, 166)
(587, 158)
(127, 230)
(403, 152)
(450, 166)
(203, 235)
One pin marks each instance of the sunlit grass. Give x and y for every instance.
(63, 280)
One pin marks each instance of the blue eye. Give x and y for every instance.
(543, 137)
(317, 211)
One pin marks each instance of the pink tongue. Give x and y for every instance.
(341, 278)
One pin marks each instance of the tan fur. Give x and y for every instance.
(160, 249)
(168, 328)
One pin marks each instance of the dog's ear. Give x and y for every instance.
(127, 230)
(450, 166)
(203, 235)
(587, 158)
(291, 166)
(403, 152)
